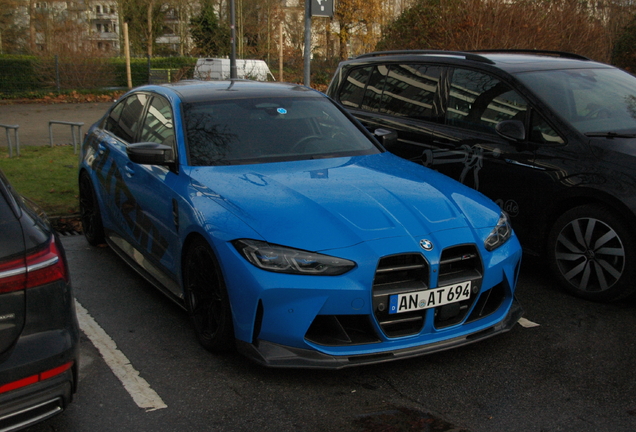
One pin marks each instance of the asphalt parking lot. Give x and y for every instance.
(572, 372)
(33, 120)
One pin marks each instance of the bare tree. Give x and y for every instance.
(559, 25)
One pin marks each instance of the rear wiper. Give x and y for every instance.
(609, 135)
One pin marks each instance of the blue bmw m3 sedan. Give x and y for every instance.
(286, 230)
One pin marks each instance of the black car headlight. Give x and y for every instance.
(500, 234)
(282, 259)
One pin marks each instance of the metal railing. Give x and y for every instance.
(15, 135)
(76, 138)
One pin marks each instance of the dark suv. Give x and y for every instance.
(550, 136)
(39, 333)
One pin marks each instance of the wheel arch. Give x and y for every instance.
(222, 344)
(587, 197)
(187, 242)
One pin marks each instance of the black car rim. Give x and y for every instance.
(590, 255)
(204, 293)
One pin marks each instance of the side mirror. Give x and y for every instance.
(388, 138)
(511, 129)
(149, 153)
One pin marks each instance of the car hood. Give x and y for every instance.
(334, 203)
(615, 148)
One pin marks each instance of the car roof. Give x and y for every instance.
(192, 91)
(511, 61)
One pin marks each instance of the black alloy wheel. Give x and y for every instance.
(206, 298)
(90, 215)
(592, 253)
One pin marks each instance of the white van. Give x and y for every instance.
(219, 69)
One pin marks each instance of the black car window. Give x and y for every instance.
(128, 123)
(411, 90)
(373, 93)
(594, 100)
(541, 132)
(157, 126)
(352, 90)
(7, 203)
(479, 101)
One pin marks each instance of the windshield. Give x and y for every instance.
(591, 100)
(254, 130)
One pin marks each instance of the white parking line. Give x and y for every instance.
(138, 388)
(527, 323)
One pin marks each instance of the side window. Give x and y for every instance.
(352, 90)
(113, 118)
(479, 101)
(157, 126)
(124, 118)
(411, 91)
(373, 94)
(541, 132)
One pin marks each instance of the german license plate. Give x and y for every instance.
(399, 303)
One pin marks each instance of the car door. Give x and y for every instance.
(119, 128)
(154, 189)
(468, 148)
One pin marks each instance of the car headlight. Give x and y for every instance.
(282, 259)
(500, 234)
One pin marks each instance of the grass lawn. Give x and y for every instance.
(46, 175)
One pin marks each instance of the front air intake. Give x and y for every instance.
(458, 264)
(398, 274)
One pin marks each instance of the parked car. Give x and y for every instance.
(550, 137)
(220, 69)
(286, 230)
(39, 335)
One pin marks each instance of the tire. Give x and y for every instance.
(593, 254)
(90, 215)
(207, 299)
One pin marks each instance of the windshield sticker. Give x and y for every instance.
(281, 111)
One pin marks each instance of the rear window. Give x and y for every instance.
(7, 200)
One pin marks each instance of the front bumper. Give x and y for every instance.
(275, 355)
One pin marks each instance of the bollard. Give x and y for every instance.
(15, 134)
(73, 125)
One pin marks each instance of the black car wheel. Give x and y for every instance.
(89, 211)
(206, 298)
(592, 252)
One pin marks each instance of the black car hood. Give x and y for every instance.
(616, 151)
